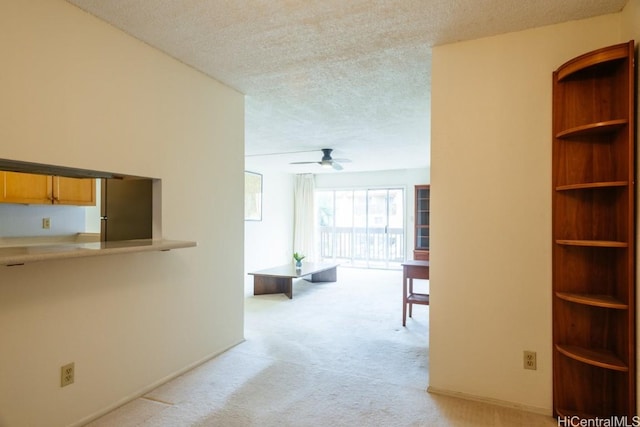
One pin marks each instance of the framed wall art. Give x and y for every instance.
(252, 196)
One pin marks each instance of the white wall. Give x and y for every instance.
(631, 31)
(491, 209)
(26, 220)
(269, 242)
(386, 178)
(92, 213)
(77, 92)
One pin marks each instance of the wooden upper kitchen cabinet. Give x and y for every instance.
(74, 191)
(25, 188)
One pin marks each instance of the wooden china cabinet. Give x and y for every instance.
(593, 261)
(421, 230)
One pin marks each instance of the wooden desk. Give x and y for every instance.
(279, 279)
(413, 269)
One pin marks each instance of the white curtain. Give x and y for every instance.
(304, 214)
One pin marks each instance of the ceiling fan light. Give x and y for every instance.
(326, 164)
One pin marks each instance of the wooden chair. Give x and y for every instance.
(413, 270)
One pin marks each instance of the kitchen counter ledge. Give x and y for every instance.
(19, 255)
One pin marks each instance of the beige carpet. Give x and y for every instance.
(335, 355)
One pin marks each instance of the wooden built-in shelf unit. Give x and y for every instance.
(421, 230)
(593, 201)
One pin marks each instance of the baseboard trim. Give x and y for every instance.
(491, 401)
(150, 387)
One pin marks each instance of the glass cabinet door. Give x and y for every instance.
(422, 217)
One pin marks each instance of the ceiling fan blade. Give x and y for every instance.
(326, 161)
(279, 153)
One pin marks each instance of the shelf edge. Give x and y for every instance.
(603, 301)
(592, 243)
(593, 128)
(601, 359)
(593, 185)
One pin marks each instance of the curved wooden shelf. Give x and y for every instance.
(601, 358)
(604, 301)
(593, 243)
(593, 185)
(600, 56)
(593, 128)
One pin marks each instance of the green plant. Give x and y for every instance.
(298, 257)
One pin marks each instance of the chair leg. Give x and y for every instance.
(410, 309)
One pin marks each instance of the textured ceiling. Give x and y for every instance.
(352, 75)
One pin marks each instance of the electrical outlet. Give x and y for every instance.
(67, 374)
(46, 223)
(530, 360)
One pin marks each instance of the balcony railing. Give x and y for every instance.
(358, 245)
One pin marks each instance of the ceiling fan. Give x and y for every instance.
(327, 161)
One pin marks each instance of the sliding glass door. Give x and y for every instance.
(362, 228)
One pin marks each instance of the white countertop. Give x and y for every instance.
(18, 255)
(49, 240)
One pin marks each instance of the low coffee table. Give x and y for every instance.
(278, 280)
